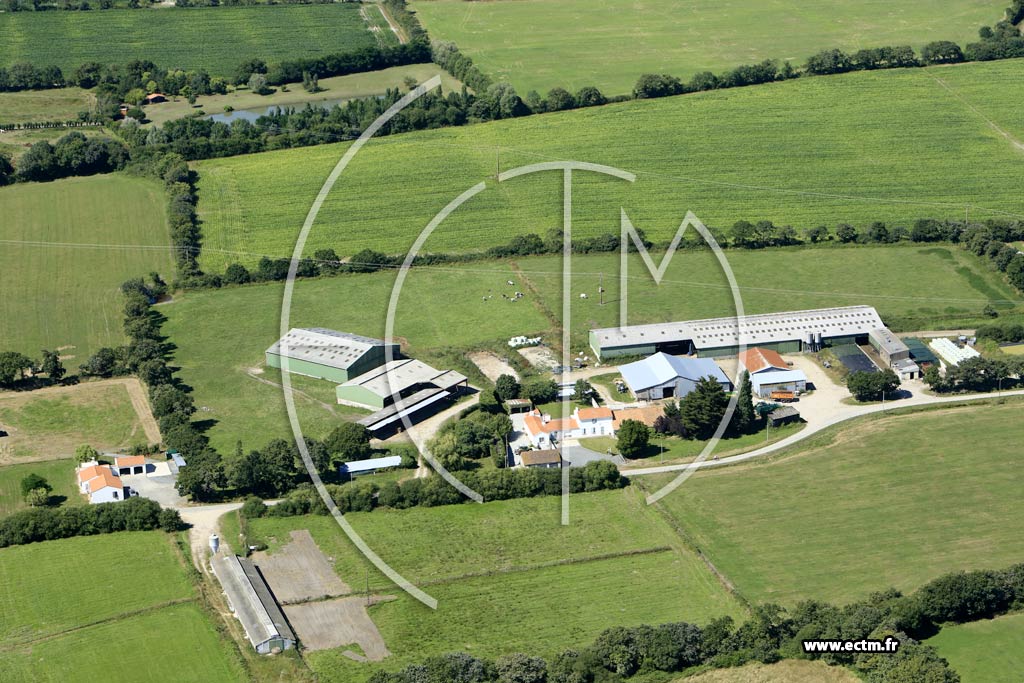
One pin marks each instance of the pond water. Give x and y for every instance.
(254, 113)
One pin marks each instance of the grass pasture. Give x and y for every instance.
(60, 474)
(786, 671)
(800, 153)
(50, 423)
(986, 651)
(855, 512)
(502, 569)
(214, 39)
(538, 45)
(44, 105)
(66, 248)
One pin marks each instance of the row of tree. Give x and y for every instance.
(977, 374)
(14, 365)
(48, 524)
(872, 386)
(770, 634)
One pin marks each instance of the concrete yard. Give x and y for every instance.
(299, 571)
(328, 624)
(491, 365)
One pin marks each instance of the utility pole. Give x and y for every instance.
(600, 288)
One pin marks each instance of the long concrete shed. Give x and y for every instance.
(785, 332)
(328, 354)
(253, 604)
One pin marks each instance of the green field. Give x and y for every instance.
(216, 40)
(856, 512)
(59, 473)
(65, 248)
(44, 105)
(786, 671)
(501, 570)
(801, 153)
(986, 651)
(538, 45)
(112, 607)
(221, 337)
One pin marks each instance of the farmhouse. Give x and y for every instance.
(594, 421)
(664, 376)
(545, 432)
(769, 372)
(356, 467)
(786, 332)
(404, 388)
(328, 354)
(543, 459)
(100, 483)
(252, 602)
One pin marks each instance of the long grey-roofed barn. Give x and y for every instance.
(785, 332)
(253, 604)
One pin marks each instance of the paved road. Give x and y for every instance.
(810, 429)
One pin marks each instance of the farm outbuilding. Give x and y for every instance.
(920, 353)
(405, 388)
(783, 415)
(541, 459)
(328, 354)
(253, 604)
(130, 464)
(950, 353)
(890, 348)
(664, 376)
(764, 383)
(785, 332)
(355, 468)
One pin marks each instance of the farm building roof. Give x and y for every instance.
(594, 413)
(950, 352)
(888, 341)
(545, 457)
(647, 415)
(919, 351)
(252, 601)
(662, 368)
(758, 360)
(105, 478)
(535, 424)
(324, 347)
(90, 472)
(400, 375)
(129, 461)
(783, 412)
(371, 464)
(766, 379)
(751, 330)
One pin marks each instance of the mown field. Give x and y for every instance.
(113, 607)
(65, 249)
(856, 512)
(987, 651)
(786, 671)
(44, 105)
(501, 571)
(221, 337)
(50, 423)
(60, 474)
(215, 39)
(891, 146)
(538, 45)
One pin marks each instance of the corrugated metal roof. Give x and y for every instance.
(780, 377)
(251, 600)
(886, 339)
(751, 329)
(661, 368)
(324, 347)
(400, 375)
(372, 464)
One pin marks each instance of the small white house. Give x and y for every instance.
(594, 422)
(100, 483)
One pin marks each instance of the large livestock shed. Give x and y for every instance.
(329, 354)
(253, 604)
(786, 332)
(663, 376)
(402, 388)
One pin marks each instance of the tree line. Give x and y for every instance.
(48, 524)
(771, 633)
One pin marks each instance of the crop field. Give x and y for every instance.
(221, 337)
(59, 473)
(986, 651)
(786, 671)
(214, 39)
(802, 153)
(500, 570)
(50, 423)
(763, 525)
(538, 45)
(113, 607)
(66, 248)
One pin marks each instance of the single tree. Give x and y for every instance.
(506, 388)
(52, 366)
(86, 453)
(348, 441)
(703, 408)
(633, 438)
(32, 482)
(743, 418)
(583, 391)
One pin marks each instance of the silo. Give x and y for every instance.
(818, 341)
(214, 543)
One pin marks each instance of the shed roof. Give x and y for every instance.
(662, 368)
(783, 412)
(781, 377)
(371, 464)
(888, 341)
(749, 329)
(324, 347)
(646, 414)
(758, 359)
(252, 601)
(919, 351)
(400, 375)
(544, 457)
(594, 413)
(129, 461)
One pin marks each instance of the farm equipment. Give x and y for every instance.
(783, 396)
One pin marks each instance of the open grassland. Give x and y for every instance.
(59, 473)
(65, 248)
(47, 588)
(15, 143)
(221, 337)
(891, 146)
(502, 570)
(786, 671)
(334, 89)
(115, 607)
(924, 285)
(538, 45)
(50, 423)
(856, 511)
(215, 39)
(986, 651)
(175, 644)
(44, 105)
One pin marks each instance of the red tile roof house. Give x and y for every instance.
(100, 483)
